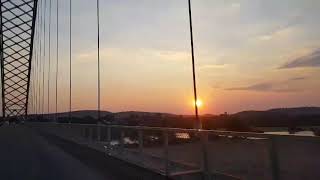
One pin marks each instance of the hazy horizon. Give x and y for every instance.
(191, 114)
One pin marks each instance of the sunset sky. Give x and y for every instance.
(250, 55)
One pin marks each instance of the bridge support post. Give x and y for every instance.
(274, 162)
(140, 140)
(166, 152)
(83, 131)
(108, 140)
(90, 134)
(121, 141)
(98, 133)
(205, 165)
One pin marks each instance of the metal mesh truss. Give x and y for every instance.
(16, 45)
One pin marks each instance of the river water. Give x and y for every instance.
(299, 133)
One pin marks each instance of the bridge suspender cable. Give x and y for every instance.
(98, 54)
(70, 63)
(34, 74)
(34, 71)
(40, 58)
(40, 61)
(31, 96)
(199, 125)
(37, 63)
(49, 60)
(44, 57)
(35, 68)
(33, 80)
(37, 57)
(57, 61)
(30, 102)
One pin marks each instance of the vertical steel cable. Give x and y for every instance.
(31, 105)
(199, 125)
(35, 74)
(40, 59)
(49, 60)
(98, 28)
(70, 62)
(32, 76)
(57, 60)
(33, 80)
(36, 62)
(39, 51)
(44, 58)
(31, 96)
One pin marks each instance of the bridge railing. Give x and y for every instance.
(216, 154)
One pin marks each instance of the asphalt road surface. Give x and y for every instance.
(25, 155)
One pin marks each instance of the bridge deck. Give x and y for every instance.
(26, 155)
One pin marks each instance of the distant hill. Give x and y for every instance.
(122, 118)
(285, 117)
(299, 116)
(94, 114)
(297, 111)
(85, 113)
(82, 114)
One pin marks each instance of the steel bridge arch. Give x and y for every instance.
(17, 23)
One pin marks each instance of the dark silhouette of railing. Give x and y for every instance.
(206, 153)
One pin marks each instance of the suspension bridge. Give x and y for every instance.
(34, 145)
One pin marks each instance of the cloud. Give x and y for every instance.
(280, 29)
(310, 60)
(134, 54)
(297, 78)
(280, 86)
(255, 87)
(265, 37)
(236, 5)
(171, 54)
(213, 66)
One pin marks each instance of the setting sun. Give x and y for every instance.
(199, 103)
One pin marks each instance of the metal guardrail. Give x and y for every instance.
(214, 154)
